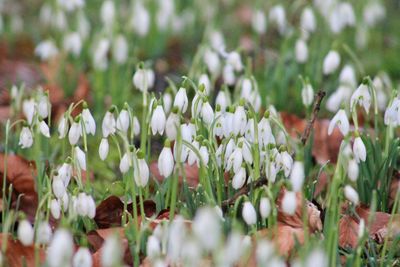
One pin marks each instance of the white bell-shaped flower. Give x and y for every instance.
(249, 213)
(359, 150)
(104, 148)
(158, 120)
(25, 138)
(341, 121)
(331, 62)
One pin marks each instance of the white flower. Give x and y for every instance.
(352, 170)
(392, 113)
(301, 51)
(108, 125)
(25, 232)
(246, 89)
(277, 16)
(166, 162)
(361, 228)
(43, 106)
(100, 59)
(88, 120)
(265, 207)
(307, 20)
(82, 258)
(158, 120)
(192, 156)
(46, 50)
(43, 234)
(111, 252)
(181, 100)
(207, 228)
(140, 20)
(289, 203)
(228, 74)
(167, 102)
(239, 178)
(171, 126)
(361, 97)
(25, 138)
(249, 213)
(44, 129)
(351, 194)
(297, 176)
(153, 247)
(73, 43)
(107, 13)
(235, 61)
(60, 249)
(348, 76)
(123, 121)
(222, 100)
(307, 95)
(58, 187)
(207, 113)
(265, 135)
(55, 209)
(259, 22)
(212, 61)
(359, 150)
(140, 80)
(205, 81)
(80, 156)
(120, 49)
(142, 173)
(103, 148)
(75, 133)
(28, 108)
(63, 127)
(340, 120)
(65, 173)
(331, 62)
(124, 163)
(204, 156)
(239, 121)
(317, 257)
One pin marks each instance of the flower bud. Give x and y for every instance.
(55, 209)
(25, 232)
(331, 62)
(44, 129)
(265, 207)
(289, 203)
(81, 157)
(44, 233)
(249, 213)
(103, 148)
(351, 194)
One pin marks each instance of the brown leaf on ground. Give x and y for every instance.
(192, 174)
(19, 255)
(325, 147)
(109, 212)
(20, 173)
(348, 232)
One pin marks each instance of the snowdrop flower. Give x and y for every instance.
(359, 150)
(228, 75)
(167, 102)
(352, 170)
(348, 76)
(153, 247)
(55, 209)
(46, 50)
(235, 160)
(28, 108)
(361, 229)
(205, 81)
(172, 124)
(197, 104)
(100, 51)
(63, 127)
(351, 194)
(317, 257)
(297, 176)
(307, 20)
(73, 43)
(25, 138)
(246, 89)
(82, 258)
(307, 95)
(141, 172)
(249, 213)
(25, 232)
(89, 122)
(43, 233)
(341, 121)
(289, 203)
(123, 121)
(44, 129)
(107, 13)
(158, 120)
(265, 135)
(301, 51)
(108, 125)
(60, 249)
(361, 97)
(392, 114)
(120, 49)
(277, 16)
(235, 61)
(258, 22)
(70, 5)
(58, 187)
(212, 61)
(80, 156)
(103, 148)
(75, 132)
(166, 161)
(207, 113)
(239, 178)
(265, 207)
(192, 156)
(373, 13)
(140, 21)
(222, 100)
(207, 228)
(125, 163)
(43, 106)
(181, 100)
(239, 120)
(331, 62)
(204, 156)
(111, 252)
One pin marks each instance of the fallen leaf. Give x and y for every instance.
(348, 232)
(192, 174)
(19, 255)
